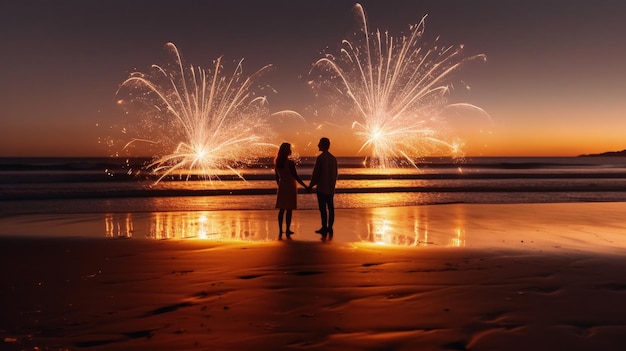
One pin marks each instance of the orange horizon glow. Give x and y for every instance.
(544, 143)
(552, 88)
(538, 132)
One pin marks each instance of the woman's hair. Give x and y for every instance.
(283, 154)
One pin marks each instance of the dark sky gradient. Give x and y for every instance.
(554, 81)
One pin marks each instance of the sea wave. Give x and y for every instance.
(436, 180)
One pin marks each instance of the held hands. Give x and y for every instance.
(308, 188)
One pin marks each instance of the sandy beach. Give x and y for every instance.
(481, 277)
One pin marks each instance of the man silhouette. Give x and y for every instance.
(325, 178)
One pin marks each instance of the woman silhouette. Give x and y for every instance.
(287, 195)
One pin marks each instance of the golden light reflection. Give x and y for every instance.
(459, 239)
(208, 226)
(118, 225)
(386, 231)
(394, 226)
(416, 232)
(379, 231)
(460, 224)
(382, 226)
(202, 233)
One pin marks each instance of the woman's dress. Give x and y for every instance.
(287, 196)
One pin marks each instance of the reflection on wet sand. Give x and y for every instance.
(409, 227)
(401, 226)
(118, 225)
(208, 225)
(383, 231)
(459, 240)
(393, 226)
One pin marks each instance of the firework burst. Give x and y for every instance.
(397, 87)
(199, 121)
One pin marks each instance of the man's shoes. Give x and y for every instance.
(322, 230)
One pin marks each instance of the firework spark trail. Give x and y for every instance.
(202, 120)
(397, 88)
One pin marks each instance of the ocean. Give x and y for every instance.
(74, 185)
(109, 191)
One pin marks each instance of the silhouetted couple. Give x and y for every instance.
(324, 178)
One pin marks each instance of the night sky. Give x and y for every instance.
(554, 82)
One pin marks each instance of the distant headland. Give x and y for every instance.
(608, 153)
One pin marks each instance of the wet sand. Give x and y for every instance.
(478, 277)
